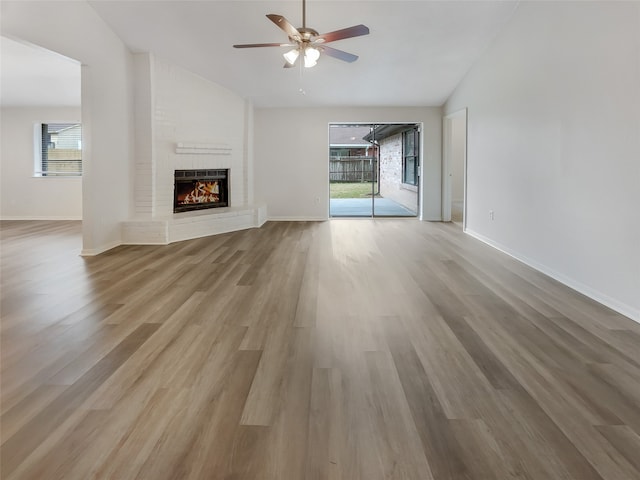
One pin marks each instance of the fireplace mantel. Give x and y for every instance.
(203, 148)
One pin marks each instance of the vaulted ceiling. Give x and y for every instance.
(416, 54)
(32, 76)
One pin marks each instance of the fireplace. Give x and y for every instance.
(200, 189)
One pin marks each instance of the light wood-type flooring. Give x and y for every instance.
(347, 349)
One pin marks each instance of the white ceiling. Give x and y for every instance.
(31, 76)
(416, 54)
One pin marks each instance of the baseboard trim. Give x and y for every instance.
(39, 218)
(620, 307)
(92, 252)
(297, 219)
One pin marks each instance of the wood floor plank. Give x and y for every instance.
(323, 418)
(25, 440)
(528, 427)
(348, 349)
(482, 452)
(126, 441)
(625, 441)
(211, 449)
(441, 449)
(15, 418)
(574, 419)
(399, 450)
(290, 428)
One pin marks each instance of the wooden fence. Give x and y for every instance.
(352, 169)
(62, 162)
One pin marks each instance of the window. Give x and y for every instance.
(410, 156)
(59, 152)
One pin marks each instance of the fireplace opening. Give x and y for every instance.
(200, 189)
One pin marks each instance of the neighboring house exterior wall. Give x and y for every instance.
(69, 138)
(391, 185)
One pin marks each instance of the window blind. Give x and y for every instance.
(61, 152)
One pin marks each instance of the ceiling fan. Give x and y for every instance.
(308, 43)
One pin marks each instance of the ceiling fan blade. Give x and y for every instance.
(284, 24)
(254, 45)
(288, 65)
(350, 32)
(339, 54)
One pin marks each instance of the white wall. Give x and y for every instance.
(554, 145)
(73, 29)
(292, 151)
(23, 196)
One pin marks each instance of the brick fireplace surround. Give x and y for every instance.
(185, 122)
(154, 200)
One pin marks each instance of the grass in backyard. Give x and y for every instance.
(351, 190)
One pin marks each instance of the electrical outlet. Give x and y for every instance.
(491, 216)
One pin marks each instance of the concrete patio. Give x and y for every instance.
(362, 207)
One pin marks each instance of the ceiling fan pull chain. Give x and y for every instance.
(300, 79)
(301, 89)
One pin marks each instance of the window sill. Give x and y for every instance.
(79, 177)
(408, 186)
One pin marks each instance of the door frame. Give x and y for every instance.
(447, 161)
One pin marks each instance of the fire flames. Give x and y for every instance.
(204, 192)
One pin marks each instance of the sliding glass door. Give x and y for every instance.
(374, 170)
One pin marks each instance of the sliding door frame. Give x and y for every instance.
(377, 166)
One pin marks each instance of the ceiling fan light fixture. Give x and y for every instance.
(291, 56)
(311, 56)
